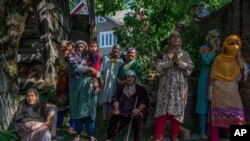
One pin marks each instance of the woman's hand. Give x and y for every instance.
(120, 82)
(92, 70)
(214, 44)
(210, 93)
(136, 112)
(240, 59)
(37, 125)
(116, 111)
(175, 58)
(50, 120)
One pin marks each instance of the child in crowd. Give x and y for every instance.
(70, 54)
(94, 61)
(70, 51)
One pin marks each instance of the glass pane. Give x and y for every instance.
(102, 39)
(107, 39)
(110, 39)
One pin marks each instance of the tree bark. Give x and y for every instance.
(91, 7)
(13, 14)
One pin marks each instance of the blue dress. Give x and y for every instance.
(202, 92)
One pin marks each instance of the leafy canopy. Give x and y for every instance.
(161, 18)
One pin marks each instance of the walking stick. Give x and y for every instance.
(131, 119)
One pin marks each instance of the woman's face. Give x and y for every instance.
(131, 56)
(81, 48)
(116, 51)
(31, 98)
(130, 80)
(175, 41)
(215, 38)
(63, 46)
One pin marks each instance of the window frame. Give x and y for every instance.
(101, 20)
(107, 39)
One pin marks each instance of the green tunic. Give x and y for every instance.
(82, 101)
(134, 65)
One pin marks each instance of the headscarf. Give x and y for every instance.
(82, 42)
(226, 65)
(64, 42)
(131, 73)
(131, 49)
(130, 90)
(113, 54)
(172, 34)
(209, 36)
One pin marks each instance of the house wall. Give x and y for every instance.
(80, 27)
(38, 48)
(102, 27)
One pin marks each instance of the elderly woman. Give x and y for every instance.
(82, 101)
(227, 70)
(62, 89)
(208, 52)
(109, 70)
(130, 102)
(132, 63)
(34, 120)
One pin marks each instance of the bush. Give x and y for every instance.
(8, 136)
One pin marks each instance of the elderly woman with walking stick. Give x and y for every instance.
(130, 106)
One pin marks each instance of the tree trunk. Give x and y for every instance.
(13, 14)
(8, 91)
(91, 7)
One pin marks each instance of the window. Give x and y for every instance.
(107, 39)
(101, 20)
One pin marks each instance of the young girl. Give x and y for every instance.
(70, 50)
(94, 61)
(69, 55)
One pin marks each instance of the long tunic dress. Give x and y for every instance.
(226, 105)
(82, 101)
(62, 88)
(202, 91)
(109, 70)
(134, 65)
(173, 85)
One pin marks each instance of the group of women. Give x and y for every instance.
(125, 101)
(218, 100)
